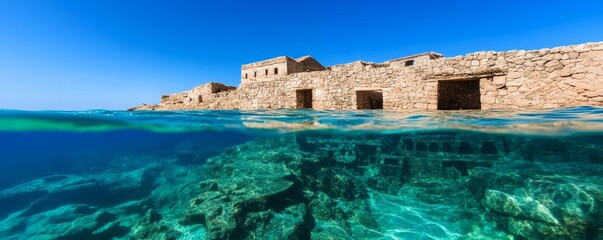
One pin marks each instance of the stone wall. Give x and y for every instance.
(518, 79)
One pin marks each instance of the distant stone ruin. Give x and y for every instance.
(518, 79)
(208, 92)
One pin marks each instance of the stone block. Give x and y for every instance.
(487, 99)
(555, 50)
(578, 76)
(520, 54)
(597, 99)
(513, 75)
(543, 52)
(573, 55)
(598, 54)
(554, 64)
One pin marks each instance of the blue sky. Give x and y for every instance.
(115, 54)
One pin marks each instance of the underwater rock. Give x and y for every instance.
(294, 222)
(176, 185)
(226, 205)
(268, 189)
(344, 218)
(338, 184)
(195, 157)
(151, 227)
(74, 221)
(543, 205)
(532, 230)
(578, 205)
(521, 207)
(95, 206)
(97, 190)
(481, 179)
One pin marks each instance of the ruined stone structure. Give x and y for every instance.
(517, 79)
(206, 92)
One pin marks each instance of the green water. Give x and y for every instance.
(288, 174)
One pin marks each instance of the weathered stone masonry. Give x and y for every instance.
(518, 79)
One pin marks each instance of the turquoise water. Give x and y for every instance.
(299, 174)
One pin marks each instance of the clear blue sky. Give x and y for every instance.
(115, 54)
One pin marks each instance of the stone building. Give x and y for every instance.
(196, 96)
(517, 79)
(281, 66)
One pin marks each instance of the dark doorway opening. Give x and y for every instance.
(304, 98)
(369, 99)
(459, 94)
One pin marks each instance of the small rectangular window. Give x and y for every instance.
(266, 72)
(275, 71)
(255, 74)
(245, 75)
(409, 63)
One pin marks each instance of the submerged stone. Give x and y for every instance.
(101, 190)
(277, 193)
(544, 205)
(521, 207)
(75, 221)
(151, 227)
